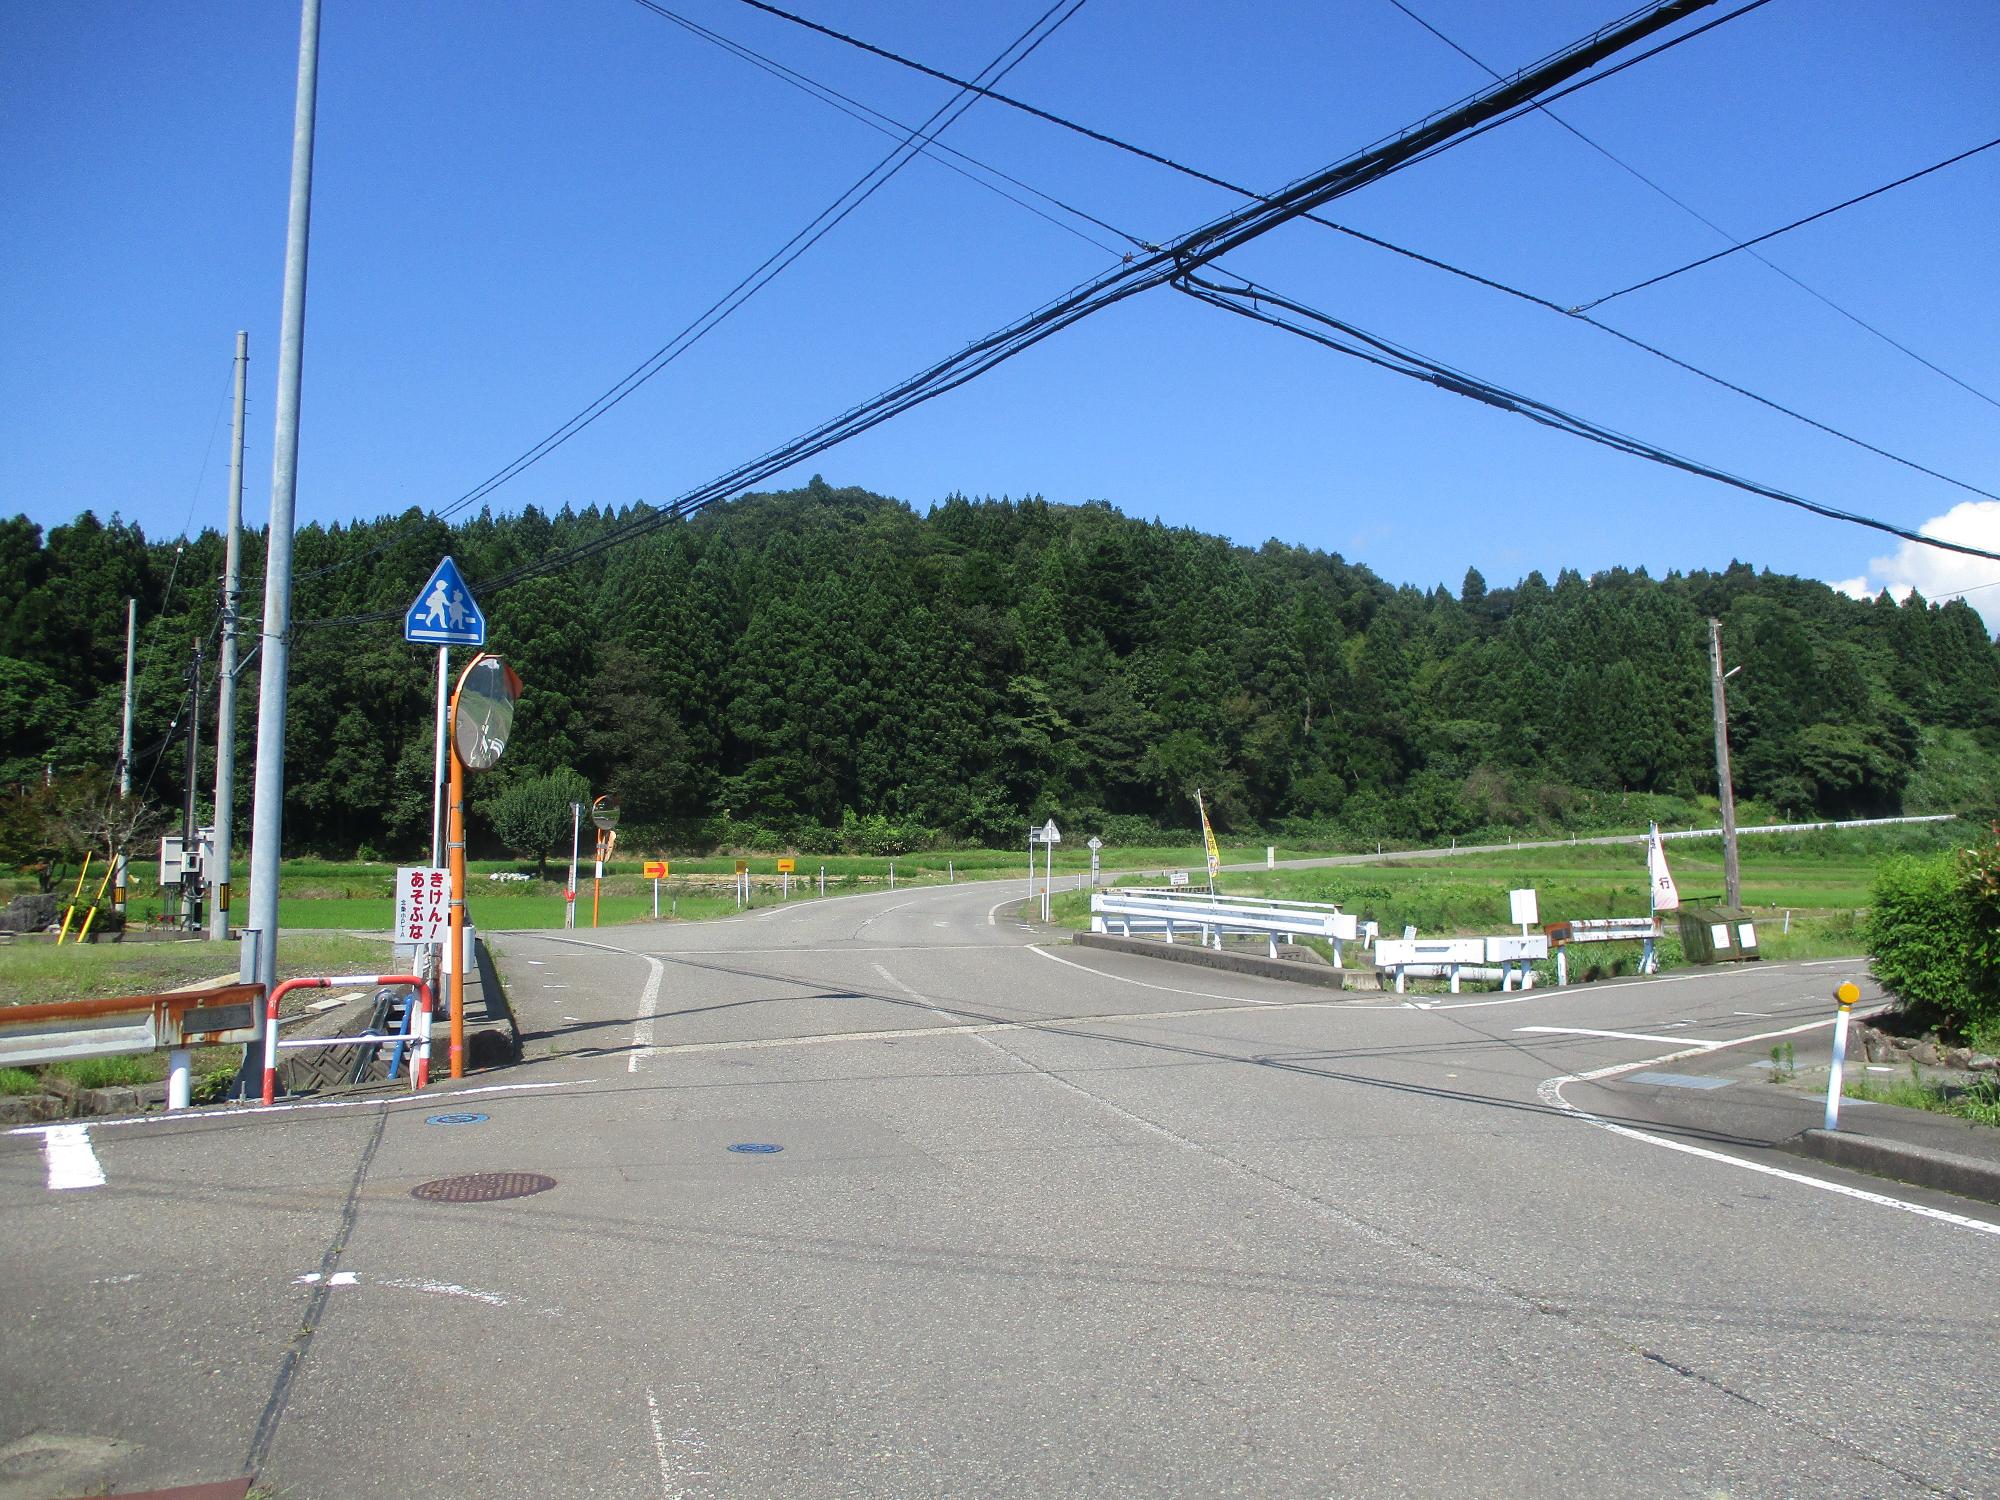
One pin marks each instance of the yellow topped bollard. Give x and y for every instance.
(1845, 993)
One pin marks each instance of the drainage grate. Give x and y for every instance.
(756, 1148)
(482, 1187)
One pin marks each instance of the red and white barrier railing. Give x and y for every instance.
(418, 1034)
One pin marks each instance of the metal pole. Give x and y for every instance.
(1732, 879)
(575, 838)
(225, 697)
(439, 776)
(268, 818)
(125, 748)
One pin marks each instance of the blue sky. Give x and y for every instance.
(517, 203)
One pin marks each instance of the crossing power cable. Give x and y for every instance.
(1696, 214)
(1771, 234)
(1188, 252)
(1253, 301)
(946, 156)
(1576, 314)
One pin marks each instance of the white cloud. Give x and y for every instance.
(1940, 575)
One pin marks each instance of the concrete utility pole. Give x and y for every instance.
(268, 815)
(123, 867)
(1732, 879)
(225, 699)
(190, 816)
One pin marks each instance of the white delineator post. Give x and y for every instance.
(1847, 993)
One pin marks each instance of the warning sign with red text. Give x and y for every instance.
(423, 901)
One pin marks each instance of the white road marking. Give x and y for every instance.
(1827, 963)
(1551, 1094)
(338, 1278)
(71, 1162)
(1622, 1036)
(685, 1444)
(649, 1000)
(429, 1100)
(1755, 1015)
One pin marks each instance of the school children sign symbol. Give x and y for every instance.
(445, 613)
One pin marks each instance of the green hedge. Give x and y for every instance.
(1929, 940)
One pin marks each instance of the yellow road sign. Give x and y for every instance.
(656, 869)
(786, 866)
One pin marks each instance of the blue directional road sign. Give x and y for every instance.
(445, 613)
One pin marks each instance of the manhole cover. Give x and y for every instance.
(756, 1148)
(482, 1187)
(465, 1119)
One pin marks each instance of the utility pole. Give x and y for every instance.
(225, 698)
(190, 818)
(1732, 879)
(123, 866)
(268, 816)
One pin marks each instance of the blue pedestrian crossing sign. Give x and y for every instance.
(445, 613)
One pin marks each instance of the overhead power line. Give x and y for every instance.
(773, 265)
(1199, 175)
(1251, 300)
(1694, 213)
(945, 156)
(1772, 234)
(1186, 253)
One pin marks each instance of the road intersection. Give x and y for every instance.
(1040, 1222)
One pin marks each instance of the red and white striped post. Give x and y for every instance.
(420, 1029)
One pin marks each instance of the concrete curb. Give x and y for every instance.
(1322, 975)
(1920, 1166)
(498, 1041)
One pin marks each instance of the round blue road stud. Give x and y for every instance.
(467, 1119)
(756, 1148)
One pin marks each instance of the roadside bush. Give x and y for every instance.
(1922, 940)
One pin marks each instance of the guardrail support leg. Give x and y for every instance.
(1274, 944)
(1454, 979)
(180, 1067)
(1562, 966)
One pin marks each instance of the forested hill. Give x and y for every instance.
(809, 658)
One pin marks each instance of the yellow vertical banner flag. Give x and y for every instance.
(1208, 839)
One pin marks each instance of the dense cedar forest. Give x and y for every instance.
(826, 666)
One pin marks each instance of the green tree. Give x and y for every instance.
(533, 816)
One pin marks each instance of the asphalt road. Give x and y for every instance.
(1043, 1223)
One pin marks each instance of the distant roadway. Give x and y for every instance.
(1043, 1223)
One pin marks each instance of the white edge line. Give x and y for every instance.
(649, 1004)
(1551, 1093)
(71, 1162)
(203, 1116)
(1620, 1036)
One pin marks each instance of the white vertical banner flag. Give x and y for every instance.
(1665, 897)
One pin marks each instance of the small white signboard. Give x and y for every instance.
(423, 904)
(1050, 834)
(1178, 877)
(1524, 908)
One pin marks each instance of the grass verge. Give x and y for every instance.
(1978, 1101)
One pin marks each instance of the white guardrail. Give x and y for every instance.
(1502, 958)
(1169, 911)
